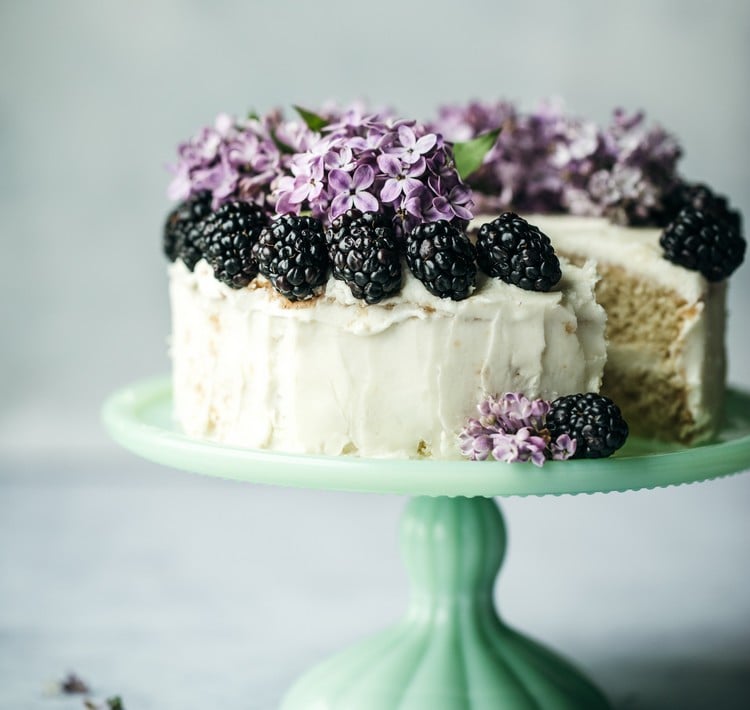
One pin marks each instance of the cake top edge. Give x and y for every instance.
(412, 299)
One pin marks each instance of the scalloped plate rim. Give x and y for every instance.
(126, 417)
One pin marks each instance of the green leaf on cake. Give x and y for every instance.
(314, 122)
(283, 147)
(469, 155)
(253, 115)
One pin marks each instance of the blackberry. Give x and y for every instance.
(441, 256)
(228, 235)
(702, 198)
(511, 249)
(594, 421)
(365, 255)
(354, 218)
(291, 253)
(703, 242)
(176, 241)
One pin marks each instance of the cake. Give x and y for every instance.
(326, 298)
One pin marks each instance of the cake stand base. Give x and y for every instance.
(451, 651)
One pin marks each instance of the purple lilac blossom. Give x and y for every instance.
(367, 160)
(548, 161)
(512, 428)
(375, 163)
(401, 178)
(235, 159)
(352, 190)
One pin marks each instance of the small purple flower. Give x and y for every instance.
(180, 185)
(372, 141)
(563, 448)
(476, 441)
(514, 410)
(402, 179)
(505, 447)
(351, 190)
(283, 187)
(224, 183)
(411, 149)
(354, 118)
(451, 206)
(341, 159)
(530, 446)
(412, 205)
(308, 182)
(512, 428)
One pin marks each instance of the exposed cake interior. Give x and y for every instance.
(665, 363)
(665, 328)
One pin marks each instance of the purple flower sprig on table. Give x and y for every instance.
(512, 428)
(374, 163)
(73, 684)
(548, 161)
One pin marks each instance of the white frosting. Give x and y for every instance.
(699, 356)
(634, 248)
(399, 378)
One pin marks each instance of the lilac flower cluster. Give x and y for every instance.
(372, 163)
(234, 160)
(547, 161)
(512, 428)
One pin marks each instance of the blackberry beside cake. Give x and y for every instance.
(327, 297)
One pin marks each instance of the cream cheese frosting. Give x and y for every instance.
(395, 379)
(636, 248)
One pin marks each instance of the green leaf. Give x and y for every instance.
(469, 155)
(314, 122)
(283, 147)
(253, 116)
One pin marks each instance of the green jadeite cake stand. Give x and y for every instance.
(451, 651)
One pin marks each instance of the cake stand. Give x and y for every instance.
(451, 650)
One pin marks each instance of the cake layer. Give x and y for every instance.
(398, 378)
(665, 327)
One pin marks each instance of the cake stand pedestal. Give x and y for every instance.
(451, 651)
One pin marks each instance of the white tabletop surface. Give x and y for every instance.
(182, 592)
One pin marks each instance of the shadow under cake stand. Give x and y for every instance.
(451, 651)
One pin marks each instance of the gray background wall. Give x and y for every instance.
(182, 592)
(95, 97)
